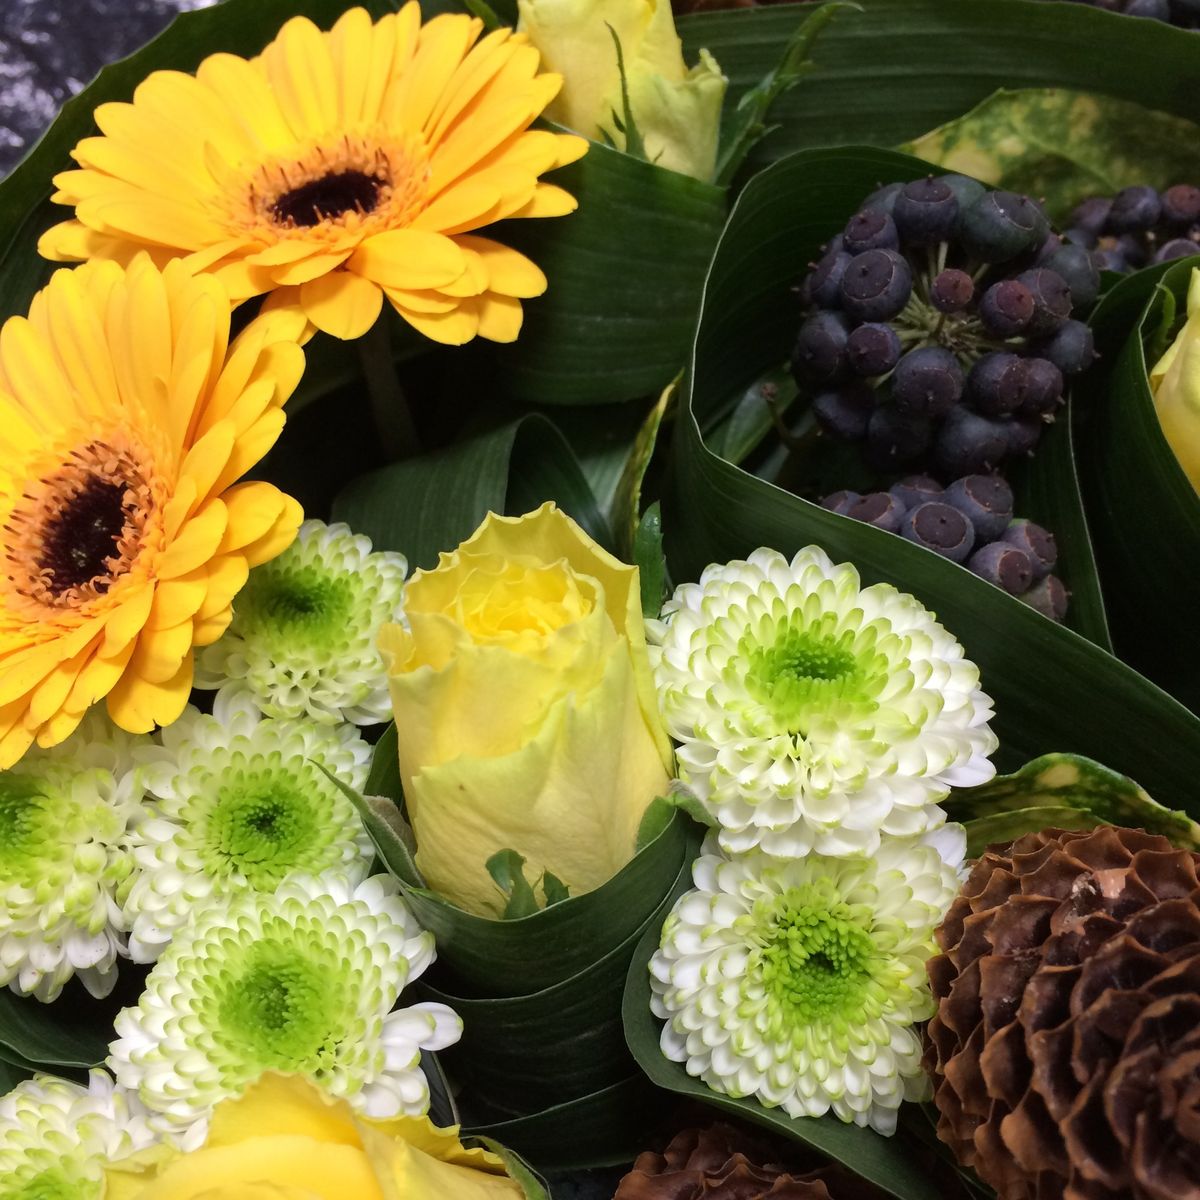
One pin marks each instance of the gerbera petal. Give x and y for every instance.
(509, 272)
(253, 509)
(548, 201)
(343, 304)
(453, 328)
(197, 541)
(126, 620)
(316, 265)
(300, 71)
(442, 45)
(499, 318)
(408, 258)
(277, 539)
(244, 90)
(137, 705)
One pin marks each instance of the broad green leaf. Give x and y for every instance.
(1053, 689)
(1061, 145)
(1143, 510)
(627, 504)
(1045, 792)
(900, 68)
(607, 1128)
(11, 1075)
(522, 1054)
(532, 1185)
(891, 1163)
(423, 506)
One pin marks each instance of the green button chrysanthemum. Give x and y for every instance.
(304, 980)
(63, 815)
(814, 714)
(302, 639)
(799, 982)
(237, 801)
(56, 1137)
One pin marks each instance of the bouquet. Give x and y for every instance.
(599, 603)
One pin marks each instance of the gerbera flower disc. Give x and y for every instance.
(334, 169)
(126, 418)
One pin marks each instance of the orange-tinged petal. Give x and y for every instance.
(548, 201)
(196, 542)
(243, 89)
(300, 72)
(442, 45)
(499, 318)
(13, 744)
(252, 444)
(125, 622)
(208, 457)
(176, 600)
(253, 509)
(160, 651)
(408, 258)
(96, 679)
(51, 694)
(59, 727)
(279, 537)
(454, 328)
(509, 272)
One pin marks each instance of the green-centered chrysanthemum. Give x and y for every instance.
(800, 982)
(63, 817)
(302, 641)
(236, 801)
(56, 1137)
(815, 714)
(303, 980)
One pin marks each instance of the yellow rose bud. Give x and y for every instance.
(525, 707)
(677, 110)
(1175, 382)
(284, 1139)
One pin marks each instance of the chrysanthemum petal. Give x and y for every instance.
(342, 304)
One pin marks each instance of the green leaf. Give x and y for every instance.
(902, 67)
(600, 334)
(651, 565)
(506, 868)
(1065, 790)
(1061, 145)
(749, 123)
(532, 1185)
(625, 120)
(627, 503)
(888, 1162)
(11, 1075)
(1143, 510)
(604, 1129)
(554, 889)
(522, 1054)
(1053, 689)
(423, 506)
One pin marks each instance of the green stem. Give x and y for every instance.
(389, 405)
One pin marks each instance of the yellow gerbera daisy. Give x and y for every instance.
(126, 418)
(333, 169)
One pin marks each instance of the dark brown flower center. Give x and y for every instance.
(78, 541)
(328, 198)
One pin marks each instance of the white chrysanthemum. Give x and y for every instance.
(63, 815)
(56, 1137)
(303, 980)
(237, 801)
(799, 982)
(814, 714)
(302, 639)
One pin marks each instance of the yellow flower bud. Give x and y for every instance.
(525, 707)
(284, 1139)
(677, 110)
(1175, 382)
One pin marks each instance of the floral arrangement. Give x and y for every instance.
(587, 586)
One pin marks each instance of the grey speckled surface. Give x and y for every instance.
(50, 49)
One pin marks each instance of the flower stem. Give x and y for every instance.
(389, 405)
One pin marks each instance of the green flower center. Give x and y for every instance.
(806, 674)
(283, 1010)
(816, 960)
(23, 811)
(57, 1182)
(265, 824)
(301, 601)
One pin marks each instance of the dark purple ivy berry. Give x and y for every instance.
(1176, 248)
(883, 198)
(846, 412)
(1037, 542)
(986, 501)
(966, 190)
(1049, 597)
(1051, 300)
(940, 528)
(916, 489)
(1134, 209)
(996, 383)
(895, 439)
(968, 444)
(927, 382)
(819, 355)
(952, 290)
(870, 229)
(1003, 565)
(1071, 349)
(839, 502)
(1078, 268)
(876, 285)
(1181, 205)
(1092, 215)
(925, 212)
(1006, 308)
(1043, 387)
(879, 509)
(873, 349)
(1023, 435)
(825, 280)
(1001, 225)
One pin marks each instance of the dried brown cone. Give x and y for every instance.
(1065, 1051)
(723, 1163)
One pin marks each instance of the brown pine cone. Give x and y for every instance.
(722, 1163)
(1065, 1051)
